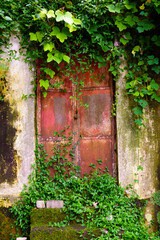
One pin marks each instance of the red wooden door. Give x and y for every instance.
(94, 126)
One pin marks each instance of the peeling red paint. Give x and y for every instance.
(100, 77)
(56, 113)
(96, 119)
(93, 149)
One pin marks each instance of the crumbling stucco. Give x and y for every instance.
(133, 150)
(19, 115)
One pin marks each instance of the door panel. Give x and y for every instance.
(93, 149)
(56, 113)
(95, 120)
(100, 77)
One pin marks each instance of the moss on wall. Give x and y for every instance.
(6, 220)
(40, 229)
(68, 233)
(54, 233)
(42, 217)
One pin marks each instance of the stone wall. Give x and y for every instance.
(17, 126)
(134, 150)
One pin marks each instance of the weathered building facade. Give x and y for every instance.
(17, 127)
(115, 141)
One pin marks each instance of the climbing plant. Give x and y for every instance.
(107, 30)
(94, 200)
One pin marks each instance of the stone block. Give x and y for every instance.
(21, 238)
(54, 204)
(41, 217)
(40, 204)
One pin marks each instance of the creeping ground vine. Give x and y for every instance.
(94, 200)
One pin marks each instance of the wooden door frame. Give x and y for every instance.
(113, 120)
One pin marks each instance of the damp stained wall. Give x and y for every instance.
(17, 127)
(133, 151)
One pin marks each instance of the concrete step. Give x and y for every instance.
(42, 226)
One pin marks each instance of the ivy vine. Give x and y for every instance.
(95, 200)
(106, 30)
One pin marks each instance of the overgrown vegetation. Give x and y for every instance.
(110, 29)
(156, 200)
(106, 30)
(94, 200)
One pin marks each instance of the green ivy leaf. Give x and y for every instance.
(156, 40)
(130, 6)
(140, 29)
(114, 8)
(136, 94)
(124, 41)
(104, 47)
(154, 85)
(144, 25)
(48, 46)
(71, 28)
(137, 111)
(143, 103)
(151, 57)
(136, 48)
(140, 63)
(120, 25)
(40, 36)
(44, 94)
(60, 16)
(55, 31)
(43, 13)
(62, 37)
(128, 86)
(8, 18)
(128, 36)
(156, 69)
(130, 20)
(49, 71)
(141, 94)
(50, 14)
(139, 168)
(152, 60)
(149, 88)
(33, 36)
(2, 26)
(44, 83)
(139, 121)
(66, 58)
(58, 57)
(154, 96)
(77, 21)
(68, 18)
(50, 57)
(112, 68)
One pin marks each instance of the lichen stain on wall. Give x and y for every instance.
(138, 153)
(6, 223)
(17, 125)
(8, 163)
